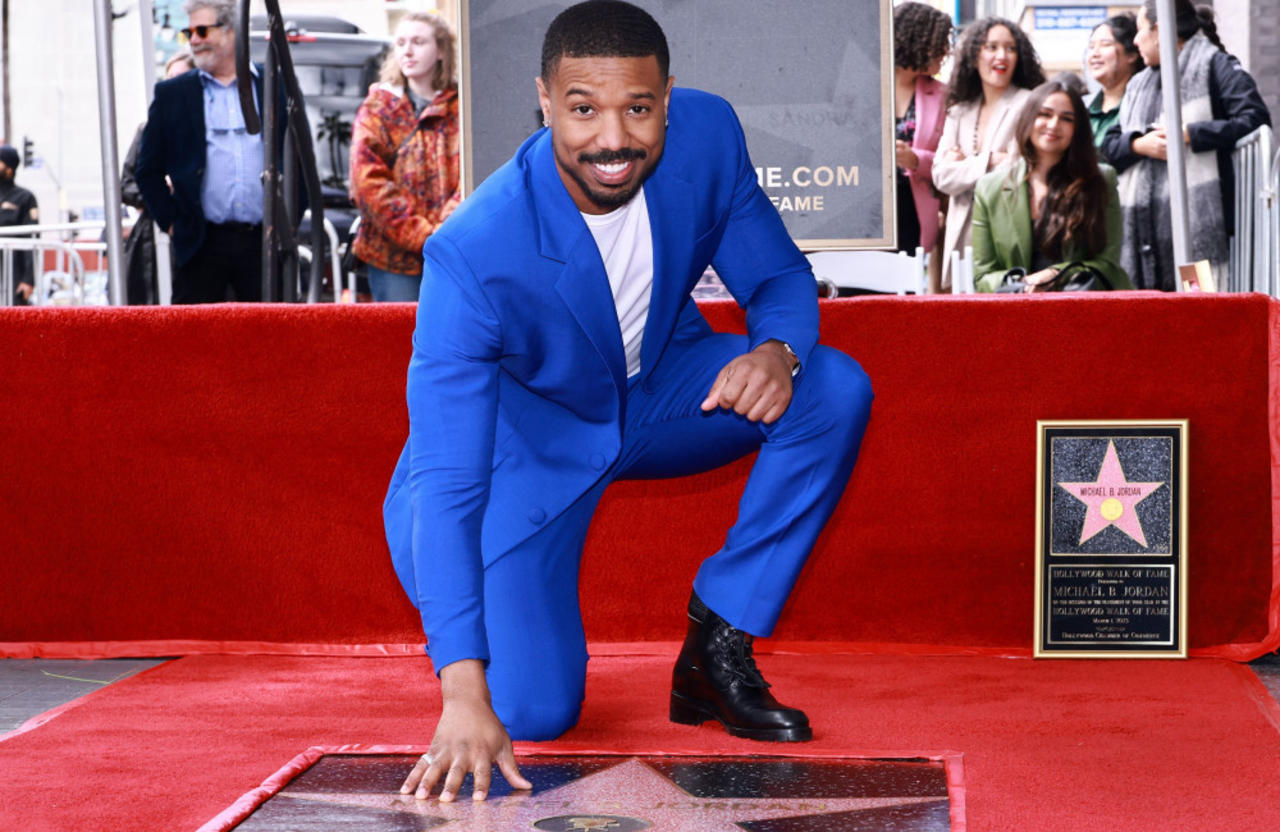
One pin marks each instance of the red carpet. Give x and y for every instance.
(1051, 745)
(187, 480)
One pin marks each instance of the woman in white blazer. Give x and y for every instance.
(996, 69)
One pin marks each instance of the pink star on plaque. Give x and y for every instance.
(1111, 499)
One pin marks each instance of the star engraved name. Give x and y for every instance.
(1111, 499)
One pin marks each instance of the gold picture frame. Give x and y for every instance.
(1111, 539)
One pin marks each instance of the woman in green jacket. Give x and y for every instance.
(1056, 206)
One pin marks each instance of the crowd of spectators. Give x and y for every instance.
(1036, 177)
(1040, 183)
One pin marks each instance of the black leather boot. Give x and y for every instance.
(716, 678)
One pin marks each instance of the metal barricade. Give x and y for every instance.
(62, 278)
(1254, 245)
(66, 282)
(1273, 227)
(335, 261)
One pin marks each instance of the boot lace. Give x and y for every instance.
(735, 655)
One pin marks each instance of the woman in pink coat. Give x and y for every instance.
(922, 40)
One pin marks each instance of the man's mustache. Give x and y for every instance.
(608, 157)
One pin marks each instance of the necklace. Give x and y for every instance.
(976, 122)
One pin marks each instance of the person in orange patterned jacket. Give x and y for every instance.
(404, 156)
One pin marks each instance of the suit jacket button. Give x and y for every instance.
(597, 461)
(537, 515)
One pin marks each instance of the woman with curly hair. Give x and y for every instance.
(996, 68)
(1055, 206)
(404, 156)
(921, 42)
(1112, 60)
(1220, 106)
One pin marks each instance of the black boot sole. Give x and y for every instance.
(686, 711)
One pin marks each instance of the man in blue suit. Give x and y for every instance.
(200, 170)
(558, 349)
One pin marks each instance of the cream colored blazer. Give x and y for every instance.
(957, 179)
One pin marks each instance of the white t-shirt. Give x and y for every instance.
(626, 247)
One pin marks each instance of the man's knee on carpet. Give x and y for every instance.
(533, 718)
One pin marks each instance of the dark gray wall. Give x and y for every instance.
(806, 79)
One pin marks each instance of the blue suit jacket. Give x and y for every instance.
(517, 383)
(173, 144)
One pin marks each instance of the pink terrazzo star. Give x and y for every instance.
(622, 797)
(1111, 499)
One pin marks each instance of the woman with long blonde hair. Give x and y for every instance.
(404, 155)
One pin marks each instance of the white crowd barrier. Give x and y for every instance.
(1255, 248)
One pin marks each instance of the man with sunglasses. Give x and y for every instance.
(199, 169)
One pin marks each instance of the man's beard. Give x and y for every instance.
(614, 197)
(204, 59)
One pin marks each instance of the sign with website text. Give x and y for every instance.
(811, 82)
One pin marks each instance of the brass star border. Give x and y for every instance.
(357, 787)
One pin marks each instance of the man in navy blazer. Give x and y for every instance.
(199, 170)
(557, 349)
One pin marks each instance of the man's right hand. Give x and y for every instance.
(469, 738)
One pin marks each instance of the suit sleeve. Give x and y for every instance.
(374, 188)
(988, 269)
(453, 400)
(1117, 147)
(149, 168)
(1235, 96)
(952, 177)
(761, 266)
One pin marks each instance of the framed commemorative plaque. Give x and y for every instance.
(1111, 536)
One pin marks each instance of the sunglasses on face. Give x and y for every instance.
(202, 31)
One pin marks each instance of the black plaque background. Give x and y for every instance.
(1111, 549)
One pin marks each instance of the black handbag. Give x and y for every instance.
(1073, 277)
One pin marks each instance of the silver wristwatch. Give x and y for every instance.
(795, 371)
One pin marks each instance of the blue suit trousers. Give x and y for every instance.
(538, 652)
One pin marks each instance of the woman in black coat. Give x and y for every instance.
(1221, 105)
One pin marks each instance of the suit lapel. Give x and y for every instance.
(195, 104)
(670, 201)
(582, 283)
(928, 112)
(1014, 192)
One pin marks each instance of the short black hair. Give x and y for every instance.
(604, 29)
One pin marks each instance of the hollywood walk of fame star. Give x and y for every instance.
(1111, 499)
(631, 790)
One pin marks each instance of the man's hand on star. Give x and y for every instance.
(756, 385)
(469, 739)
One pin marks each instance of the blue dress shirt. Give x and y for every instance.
(232, 187)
